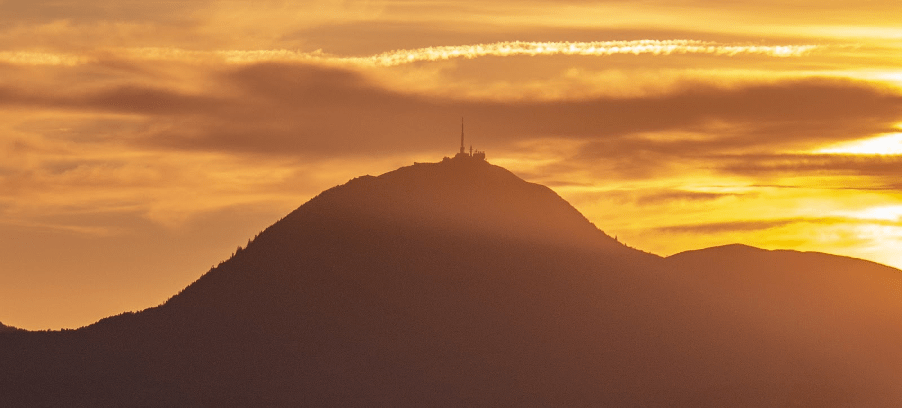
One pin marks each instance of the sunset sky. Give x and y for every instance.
(142, 142)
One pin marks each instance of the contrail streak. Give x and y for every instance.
(43, 58)
(429, 54)
(595, 48)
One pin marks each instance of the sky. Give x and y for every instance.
(142, 142)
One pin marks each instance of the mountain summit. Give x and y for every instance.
(459, 284)
(463, 195)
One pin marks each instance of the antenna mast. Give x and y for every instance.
(461, 135)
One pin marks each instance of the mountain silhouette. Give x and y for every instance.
(459, 284)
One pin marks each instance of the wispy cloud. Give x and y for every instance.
(746, 226)
(283, 108)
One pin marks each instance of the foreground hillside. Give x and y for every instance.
(459, 284)
(4, 328)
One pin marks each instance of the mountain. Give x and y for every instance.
(459, 284)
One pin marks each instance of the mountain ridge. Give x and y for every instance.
(458, 283)
(737, 247)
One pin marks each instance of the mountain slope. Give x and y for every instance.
(455, 284)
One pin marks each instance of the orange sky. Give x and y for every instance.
(141, 142)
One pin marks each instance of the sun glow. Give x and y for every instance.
(888, 144)
(889, 213)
